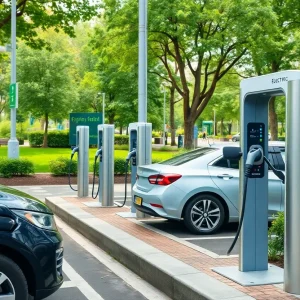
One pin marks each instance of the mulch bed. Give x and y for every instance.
(48, 179)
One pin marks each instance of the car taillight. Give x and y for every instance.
(165, 179)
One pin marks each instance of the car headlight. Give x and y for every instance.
(38, 219)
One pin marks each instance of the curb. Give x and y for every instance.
(176, 279)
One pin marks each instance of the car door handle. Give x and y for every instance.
(225, 176)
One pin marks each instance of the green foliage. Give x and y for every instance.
(45, 83)
(15, 167)
(121, 139)
(58, 139)
(276, 237)
(156, 134)
(57, 14)
(36, 138)
(63, 166)
(4, 129)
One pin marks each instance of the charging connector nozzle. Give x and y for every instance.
(131, 154)
(75, 149)
(99, 152)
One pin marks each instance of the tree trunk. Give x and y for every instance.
(121, 129)
(189, 134)
(229, 128)
(172, 115)
(45, 142)
(273, 119)
(222, 126)
(42, 124)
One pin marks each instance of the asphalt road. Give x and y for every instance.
(91, 274)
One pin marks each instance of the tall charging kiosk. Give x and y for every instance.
(106, 166)
(253, 266)
(140, 142)
(82, 144)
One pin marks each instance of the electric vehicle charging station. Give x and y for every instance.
(105, 153)
(82, 149)
(140, 153)
(253, 259)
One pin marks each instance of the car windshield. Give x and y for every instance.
(188, 156)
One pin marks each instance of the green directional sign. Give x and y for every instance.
(13, 95)
(85, 119)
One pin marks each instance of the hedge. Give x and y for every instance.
(63, 166)
(60, 166)
(60, 139)
(15, 166)
(121, 139)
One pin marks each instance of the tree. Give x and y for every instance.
(4, 82)
(46, 88)
(117, 71)
(281, 53)
(206, 39)
(57, 14)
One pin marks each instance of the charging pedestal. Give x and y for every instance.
(106, 167)
(140, 139)
(253, 259)
(82, 142)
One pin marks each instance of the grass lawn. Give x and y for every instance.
(42, 156)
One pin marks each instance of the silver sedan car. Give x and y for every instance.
(201, 187)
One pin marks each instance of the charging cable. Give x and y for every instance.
(131, 154)
(98, 153)
(255, 156)
(75, 149)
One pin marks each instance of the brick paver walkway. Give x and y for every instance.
(188, 255)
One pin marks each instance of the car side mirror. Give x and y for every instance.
(232, 152)
(6, 224)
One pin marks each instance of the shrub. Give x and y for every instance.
(121, 139)
(58, 139)
(63, 166)
(4, 129)
(156, 134)
(15, 166)
(36, 138)
(276, 237)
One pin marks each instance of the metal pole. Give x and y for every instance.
(214, 122)
(292, 203)
(142, 106)
(13, 143)
(164, 136)
(103, 108)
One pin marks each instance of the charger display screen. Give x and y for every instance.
(256, 136)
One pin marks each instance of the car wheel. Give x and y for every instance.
(234, 139)
(13, 284)
(204, 215)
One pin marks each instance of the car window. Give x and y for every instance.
(188, 156)
(227, 163)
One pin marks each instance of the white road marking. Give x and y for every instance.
(182, 240)
(136, 282)
(68, 284)
(80, 283)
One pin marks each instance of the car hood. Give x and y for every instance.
(15, 199)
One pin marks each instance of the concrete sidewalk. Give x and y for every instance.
(176, 269)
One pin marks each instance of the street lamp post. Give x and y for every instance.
(164, 129)
(13, 143)
(214, 122)
(103, 108)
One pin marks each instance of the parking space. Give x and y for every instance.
(216, 244)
